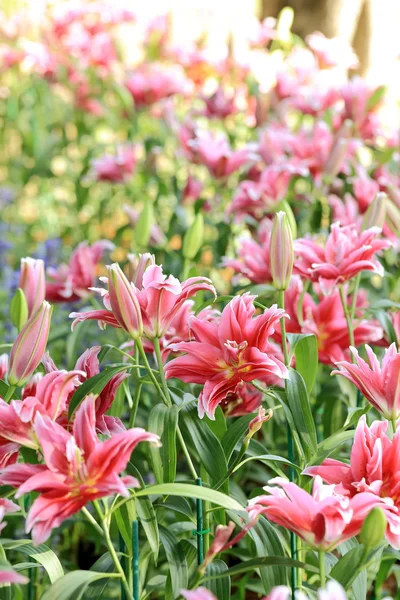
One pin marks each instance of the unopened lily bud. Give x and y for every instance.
(32, 282)
(19, 309)
(144, 225)
(373, 528)
(124, 303)
(376, 212)
(220, 541)
(281, 252)
(138, 263)
(30, 345)
(193, 238)
(255, 424)
(338, 151)
(392, 217)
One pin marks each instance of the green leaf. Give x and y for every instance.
(178, 569)
(221, 588)
(268, 458)
(376, 97)
(146, 515)
(326, 447)
(42, 554)
(73, 585)
(235, 434)
(94, 385)
(265, 561)
(204, 442)
(305, 349)
(104, 564)
(163, 421)
(299, 405)
(3, 388)
(347, 568)
(191, 491)
(268, 543)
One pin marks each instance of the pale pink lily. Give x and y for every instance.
(222, 356)
(346, 253)
(323, 519)
(78, 468)
(159, 297)
(117, 167)
(378, 383)
(8, 575)
(374, 468)
(217, 155)
(72, 281)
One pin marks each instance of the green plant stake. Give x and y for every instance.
(199, 532)
(122, 550)
(135, 558)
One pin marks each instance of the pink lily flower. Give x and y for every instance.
(3, 366)
(345, 254)
(253, 260)
(220, 104)
(216, 154)
(72, 281)
(51, 396)
(379, 384)
(153, 82)
(373, 468)
(79, 468)
(201, 593)
(115, 168)
(32, 283)
(159, 297)
(225, 355)
(323, 519)
(11, 576)
(332, 52)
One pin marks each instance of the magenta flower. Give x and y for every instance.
(153, 82)
(201, 593)
(78, 468)
(32, 282)
(323, 519)
(30, 345)
(345, 254)
(72, 281)
(160, 299)
(3, 366)
(374, 468)
(115, 168)
(217, 155)
(220, 104)
(51, 396)
(253, 260)
(225, 355)
(11, 576)
(379, 384)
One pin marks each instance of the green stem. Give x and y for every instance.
(111, 550)
(157, 349)
(9, 393)
(186, 453)
(347, 316)
(135, 559)
(135, 404)
(321, 556)
(150, 372)
(293, 542)
(354, 301)
(92, 520)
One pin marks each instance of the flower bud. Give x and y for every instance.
(338, 151)
(144, 224)
(30, 345)
(33, 283)
(124, 303)
(281, 252)
(19, 309)
(376, 212)
(373, 528)
(138, 263)
(393, 217)
(256, 423)
(193, 238)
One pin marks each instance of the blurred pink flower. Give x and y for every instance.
(220, 104)
(160, 299)
(78, 468)
(152, 82)
(357, 95)
(72, 281)
(262, 32)
(115, 168)
(374, 467)
(323, 519)
(222, 356)
(3, 365)
(200, 593)
(216, 154)
(379, 384)
(192, 190)
(332, 52)
(253, 260)
(11, 576)
(346, 253)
